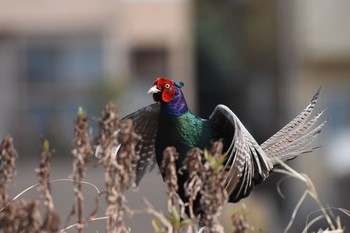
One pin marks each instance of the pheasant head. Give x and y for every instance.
(169, 94)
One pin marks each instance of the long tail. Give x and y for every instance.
(294, 138)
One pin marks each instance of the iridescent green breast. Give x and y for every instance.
(184, 132)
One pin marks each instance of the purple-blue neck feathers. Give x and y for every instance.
(177, 106)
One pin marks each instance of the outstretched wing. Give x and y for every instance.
(145, 122)
(247, 164)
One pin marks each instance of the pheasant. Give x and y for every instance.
(169, 122)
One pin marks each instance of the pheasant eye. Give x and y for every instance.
(167, 85)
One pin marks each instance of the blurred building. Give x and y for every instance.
(58, 55)
(319, 55)
(315, 52)
(265, 60)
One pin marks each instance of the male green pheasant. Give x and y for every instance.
(169, 122)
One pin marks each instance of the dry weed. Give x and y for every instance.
(334, 224)
(51, 220)
(82, 152)
(115, 151)
(8, 156)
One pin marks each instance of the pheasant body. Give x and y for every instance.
(169, 122)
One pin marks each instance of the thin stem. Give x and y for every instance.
(51, 182)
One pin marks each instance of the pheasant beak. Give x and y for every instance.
(153, 90)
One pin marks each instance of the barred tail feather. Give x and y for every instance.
(295, 137)
(297, 147)
(292, 126)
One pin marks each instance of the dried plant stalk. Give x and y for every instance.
(332, 221)
(114, 139)
(81, 152)
(21, 217)
(8, 156)
(106, 146)
(127, 157)
(106, 142)
(240, 223)
(204, 188)
(51, 219)
(168, 167)
(213, 194)
(126, 172)
(180, 221)
(194, 183)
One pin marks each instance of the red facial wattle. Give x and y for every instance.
(167, 89)
(168, 94)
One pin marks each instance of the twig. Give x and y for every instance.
(312, 222)
(296, 208)
(150, 209)
(311, 190)
(51, 182)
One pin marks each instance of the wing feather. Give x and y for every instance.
(247, 164)
(145, 122)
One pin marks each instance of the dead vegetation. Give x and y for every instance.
(114, 150)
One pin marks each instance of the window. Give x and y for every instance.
(60, 74)
(58, 59)
(148, 62)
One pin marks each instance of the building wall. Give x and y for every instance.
(92, 51)
(58, 55)
(315, 53)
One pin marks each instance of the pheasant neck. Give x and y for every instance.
(176, 107)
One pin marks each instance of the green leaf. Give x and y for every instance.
(175, 217)
(186, 223)
(81, 111)
(215, 163)
(156, 225)
(46, 146)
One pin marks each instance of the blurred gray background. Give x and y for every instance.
(263, 59)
